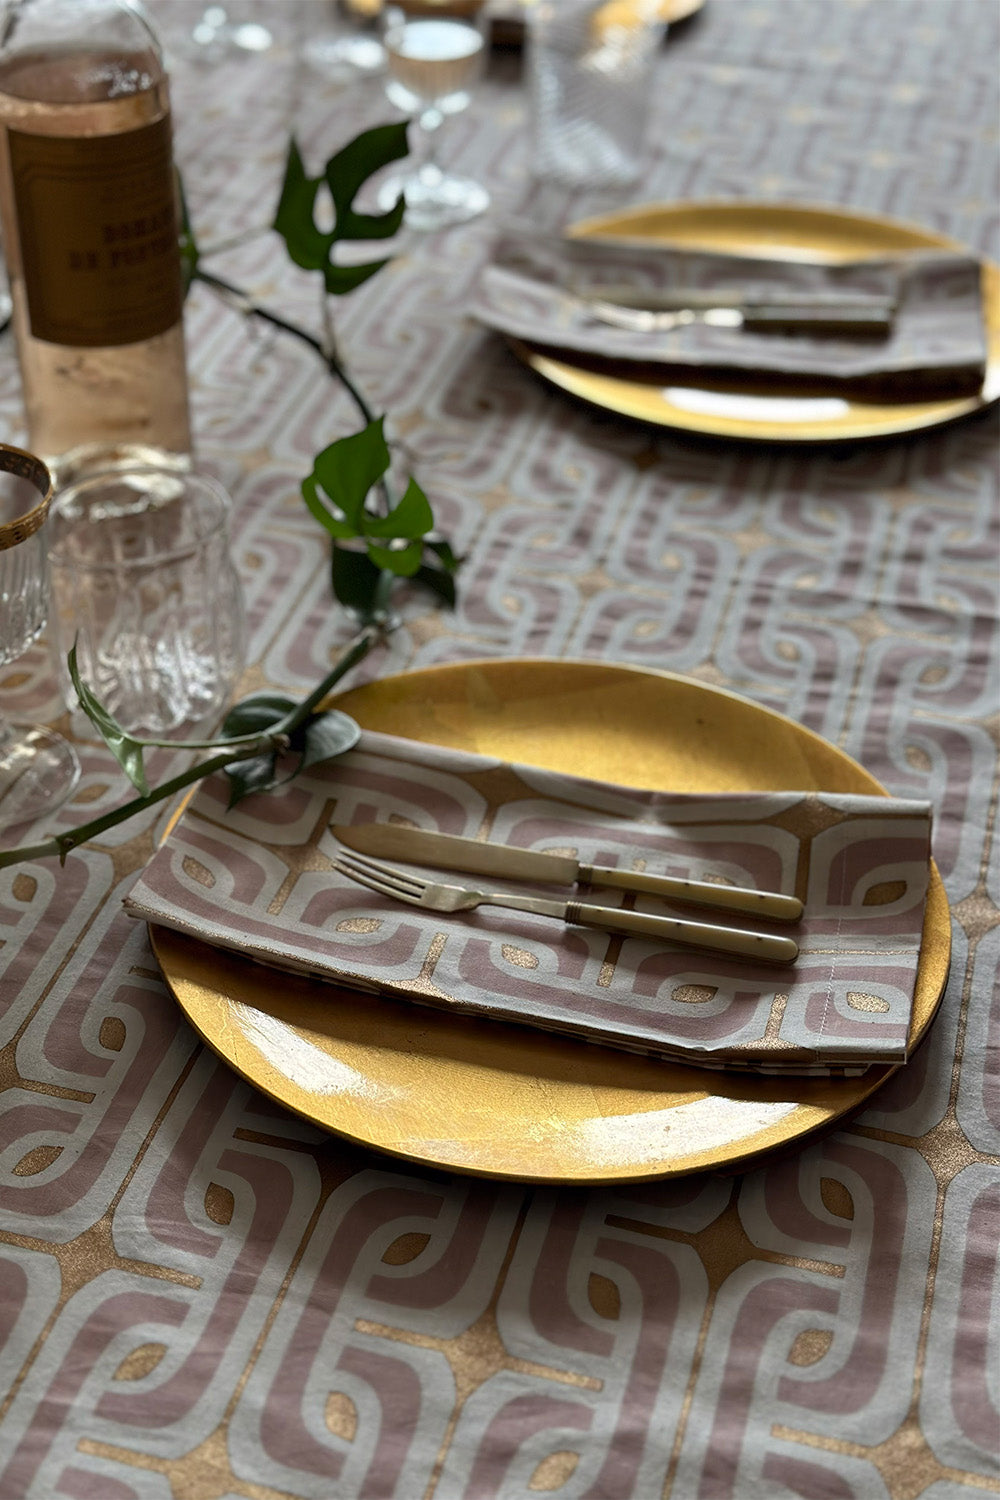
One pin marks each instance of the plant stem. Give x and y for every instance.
(236, 241)
(255, 310)
(62, 843)
(325, 348)
(355, 653)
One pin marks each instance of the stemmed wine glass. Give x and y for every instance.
(435, 52)
(38, 769)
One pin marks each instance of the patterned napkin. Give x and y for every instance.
(259, 880)
(937, 343)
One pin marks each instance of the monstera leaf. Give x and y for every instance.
(344, 175)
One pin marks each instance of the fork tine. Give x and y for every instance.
(385, 872)
(372, 883)
(379, 878)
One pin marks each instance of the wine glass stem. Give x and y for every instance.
(430, 121)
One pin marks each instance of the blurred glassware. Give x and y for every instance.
(217, 36)
(143, 580)
(590, 71)
(435, 51)
(355, 53)
(38, 769)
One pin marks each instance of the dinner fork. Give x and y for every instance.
(434, 896)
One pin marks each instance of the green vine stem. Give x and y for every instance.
(325, 348)
(276, 738)
(310, 249)
(252, 309)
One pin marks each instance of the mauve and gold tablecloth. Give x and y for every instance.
(204, 1297)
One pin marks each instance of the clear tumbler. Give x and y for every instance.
(143, 581)
(590, 72)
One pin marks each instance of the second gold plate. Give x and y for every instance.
(755, 414)
(507, 1101)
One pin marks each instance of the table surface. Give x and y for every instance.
(205, 1297)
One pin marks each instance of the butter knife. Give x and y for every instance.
(476, 857)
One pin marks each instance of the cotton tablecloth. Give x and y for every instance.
(203, 1296)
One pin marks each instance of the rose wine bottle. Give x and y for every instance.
(88, 208)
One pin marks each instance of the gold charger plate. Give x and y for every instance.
(508, 17)
(507, 1101)
(751, 412)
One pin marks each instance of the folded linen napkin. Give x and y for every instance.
(536, 287)
(259, 880)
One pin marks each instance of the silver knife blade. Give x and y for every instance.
(676, 299)
(477, 857)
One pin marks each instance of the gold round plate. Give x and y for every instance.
(508, 16)
(507, 1101)
(758, 413)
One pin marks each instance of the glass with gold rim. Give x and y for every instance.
(510, 1102)
(38, 768)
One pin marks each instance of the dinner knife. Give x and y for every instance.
(670, 299)
(477, 857)
(755, 316)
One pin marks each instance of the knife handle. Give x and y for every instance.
(765, 904)
(845, 317)
(760, 946)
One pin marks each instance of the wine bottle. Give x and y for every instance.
(88, 209)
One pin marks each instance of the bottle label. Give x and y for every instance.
(97, 221)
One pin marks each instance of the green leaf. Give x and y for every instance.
(256, 714)
(344, 174)
(351, 168)
(327, 735)
(438, 582)
(249, 776)
(403, 561)
(442, 550)
(124, 747)
(341, 279)
(308, 246)
(339, 529)
(411, 518)
(355, 580)
(323, 736)
(346, 471)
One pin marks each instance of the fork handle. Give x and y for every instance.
(754, 945)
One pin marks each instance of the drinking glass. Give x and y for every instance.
(590, 69)
(38, 769)
(216, 35)
(435, 54)
(143, 580)
(357, 53)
